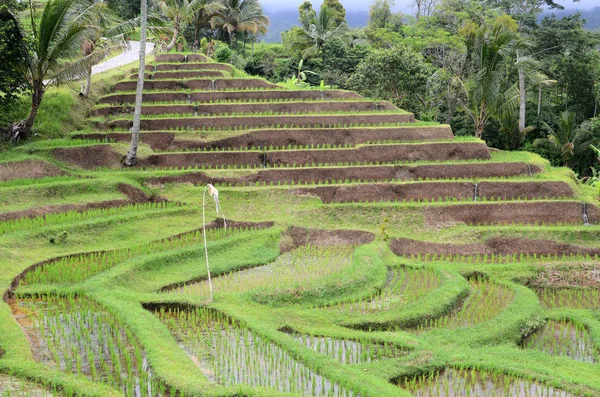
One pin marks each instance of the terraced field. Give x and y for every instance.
(362, 253)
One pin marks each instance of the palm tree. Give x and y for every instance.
(180, 11)
(490, 50)
(240, 16)
(204, 11)
(54, 57)
(131, 158)
(322, 29)
(569, 138)
(109, 38)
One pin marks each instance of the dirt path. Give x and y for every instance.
(128, 56)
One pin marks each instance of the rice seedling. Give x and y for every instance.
(75, 335)
(297, 269)
(486, 301)
(13, 387)
(466, 383)
(228, 353)
(564, 338)
(348, 351)
(404, 286)
(76, 268)
(74, 216)
(576, 298)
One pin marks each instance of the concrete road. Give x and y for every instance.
(128, 56)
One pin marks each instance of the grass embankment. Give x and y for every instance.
(470, 313)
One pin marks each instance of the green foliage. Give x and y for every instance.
(240, 17)
(397, 74)
(59, 238)
(223, 54)
(569, 138)
(337, 9)
(340, 61)
(12, 64)
(571, 59)
(381, 16)
(54, 117)
(307, 14)
(125, 8)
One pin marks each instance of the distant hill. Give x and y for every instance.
(282, 20)
(591, 16)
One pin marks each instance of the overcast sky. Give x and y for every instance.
(400, 4)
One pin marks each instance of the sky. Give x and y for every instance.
(403, 5)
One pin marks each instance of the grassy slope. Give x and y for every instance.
(491, 345)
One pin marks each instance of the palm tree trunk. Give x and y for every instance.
(36, 100)
(522, 98)
(88, 83)
(135, 130)
(174, 40)
(539, 100)
(478, 130)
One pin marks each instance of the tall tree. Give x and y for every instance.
(568, 53)
(423, 7)
(569, 138)
(55, 55)
(490, 51)
(13, 51)
(204, 11)
(185, 11)
(109, 38)
(397, 74)
(240, 16)
(306, 14)
(381, 15)
(131, 158)
(337, 10)
(524, 7)
(323, 29)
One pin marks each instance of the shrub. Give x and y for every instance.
(223, 54)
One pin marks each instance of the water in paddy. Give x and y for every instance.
(75, 335)
(403, 286)
(563, 338)
(471, 383)
(576, 298)
(230, 354)
(486, 301)
(348, 351)
(13, 387)
(301, 267)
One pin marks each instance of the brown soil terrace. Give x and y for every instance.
(296, 121)
(373, 174)
(493, 246)
(202, 96)
(570, 276)
(89, 157)
(166, 75)
(28, 169)
(548, 213)
(135, 196)
(295, 237)
(439, 191)
(192, 66)
(199, 84)
(182, 58)
(216, 224)
(285, 137)
(229, 108)
(362, 154)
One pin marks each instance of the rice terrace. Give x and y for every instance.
(291, 239)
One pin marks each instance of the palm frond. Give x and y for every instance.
(76, 70)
